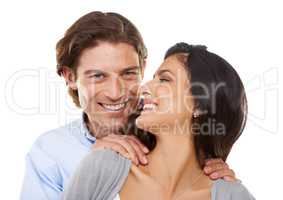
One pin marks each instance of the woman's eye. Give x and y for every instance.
(163, 80)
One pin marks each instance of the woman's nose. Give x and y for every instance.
(145, 90)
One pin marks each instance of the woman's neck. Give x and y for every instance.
(173, 163)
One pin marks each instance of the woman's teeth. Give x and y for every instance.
(115, 107)
(149, 106)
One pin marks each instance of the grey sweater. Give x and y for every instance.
(102, 173)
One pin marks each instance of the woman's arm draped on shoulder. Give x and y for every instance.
(224, 190)
(100, 176)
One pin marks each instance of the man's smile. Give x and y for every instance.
(114, 107)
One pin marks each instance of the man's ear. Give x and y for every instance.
(70, 78)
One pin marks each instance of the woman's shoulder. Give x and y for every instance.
(107, 164)
(225, 190)
(105, 158)
(100, 175)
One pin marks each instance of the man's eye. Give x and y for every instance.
(130, 74)
(97, 76)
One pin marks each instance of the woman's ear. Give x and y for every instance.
(70, 77)
(197, 113)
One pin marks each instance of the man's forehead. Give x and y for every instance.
(108, 57)
(113, 69)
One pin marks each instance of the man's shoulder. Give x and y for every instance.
(62, 140)
(62, 132)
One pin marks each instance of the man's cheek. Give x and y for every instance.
(84, 98)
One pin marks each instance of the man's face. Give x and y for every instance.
(108, 77)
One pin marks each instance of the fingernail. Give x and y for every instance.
(145, 150)
(206, 161)
(137, 161)
(207, 169)
(144, 160)
(214, 175)
(128, 156)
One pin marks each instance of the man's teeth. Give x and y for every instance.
(114, 107)
(149, 106)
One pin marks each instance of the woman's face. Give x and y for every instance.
(168, 104)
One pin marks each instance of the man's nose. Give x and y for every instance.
(116, 89)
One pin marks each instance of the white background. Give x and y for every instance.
(246, 33)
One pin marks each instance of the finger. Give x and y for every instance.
(229, 178)
(229, 174)
(131, 137)
(130, 150)
(141, 145)
(213, 161)
(141, 155)
(209, 169)
(111, 145)
(139, 148)
(119, 149)
(138, 173)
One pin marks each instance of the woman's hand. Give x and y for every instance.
(217, 168)
(126, 145)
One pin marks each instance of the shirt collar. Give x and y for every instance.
(85, 129)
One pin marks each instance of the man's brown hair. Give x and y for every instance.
(87, 31)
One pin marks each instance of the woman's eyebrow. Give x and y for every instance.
(162, 71)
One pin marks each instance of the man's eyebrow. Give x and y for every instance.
(162, 71)
(91, 71)
(131, 68)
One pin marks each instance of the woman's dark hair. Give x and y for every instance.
(88, 31)
(219, 97)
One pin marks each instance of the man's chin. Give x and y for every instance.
(111, 126)
(107, 124)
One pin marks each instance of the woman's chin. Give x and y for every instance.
(145, 121)
(149, 121)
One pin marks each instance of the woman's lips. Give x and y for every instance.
(149, 105)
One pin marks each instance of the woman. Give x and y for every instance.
(195, 109)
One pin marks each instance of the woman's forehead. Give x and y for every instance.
(172, 64)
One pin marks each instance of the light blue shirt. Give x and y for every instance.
(53, 158)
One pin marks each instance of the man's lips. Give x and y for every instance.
(114, 107)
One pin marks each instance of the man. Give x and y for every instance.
(102, 58)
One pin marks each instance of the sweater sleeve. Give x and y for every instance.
(224, 190)
(99, 176)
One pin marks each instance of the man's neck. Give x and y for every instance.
(97, 129)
